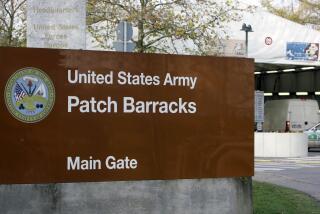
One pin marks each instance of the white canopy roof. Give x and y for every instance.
(285, 35)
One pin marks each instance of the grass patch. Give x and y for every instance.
(272, 199)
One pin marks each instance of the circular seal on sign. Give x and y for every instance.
(29, 95)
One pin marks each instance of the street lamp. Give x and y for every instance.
(247, 29)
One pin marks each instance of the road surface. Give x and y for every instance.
(302, 174)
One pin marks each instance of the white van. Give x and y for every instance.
(290, 115)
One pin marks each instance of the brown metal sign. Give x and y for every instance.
(73, 116)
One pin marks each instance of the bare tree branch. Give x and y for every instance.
(160, 24)
(19, 5)
(12, 22)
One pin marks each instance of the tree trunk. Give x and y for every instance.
(10, 31)
(11, 24)
(140, 47)
(140, 43)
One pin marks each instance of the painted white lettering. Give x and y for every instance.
(73, 80)
(128, 105)
(125, 163)
(90, 77)
(73, 101)
(73, 164)
(92, 105)
(180, 81)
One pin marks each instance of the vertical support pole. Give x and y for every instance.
(125, 37)
(246, 43)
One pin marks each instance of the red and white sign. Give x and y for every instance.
(268, 40)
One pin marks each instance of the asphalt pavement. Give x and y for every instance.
(302, 174)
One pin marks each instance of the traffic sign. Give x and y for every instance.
(268, 40)
(124, 35)
(124, 31)
(259, 106)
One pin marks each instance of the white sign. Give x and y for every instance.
(56, 24)
(259, 107)
(235, 48)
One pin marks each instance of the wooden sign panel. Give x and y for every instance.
(75, 116)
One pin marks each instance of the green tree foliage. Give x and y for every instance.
(12, 22)
(167, 26)
(306, 12)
